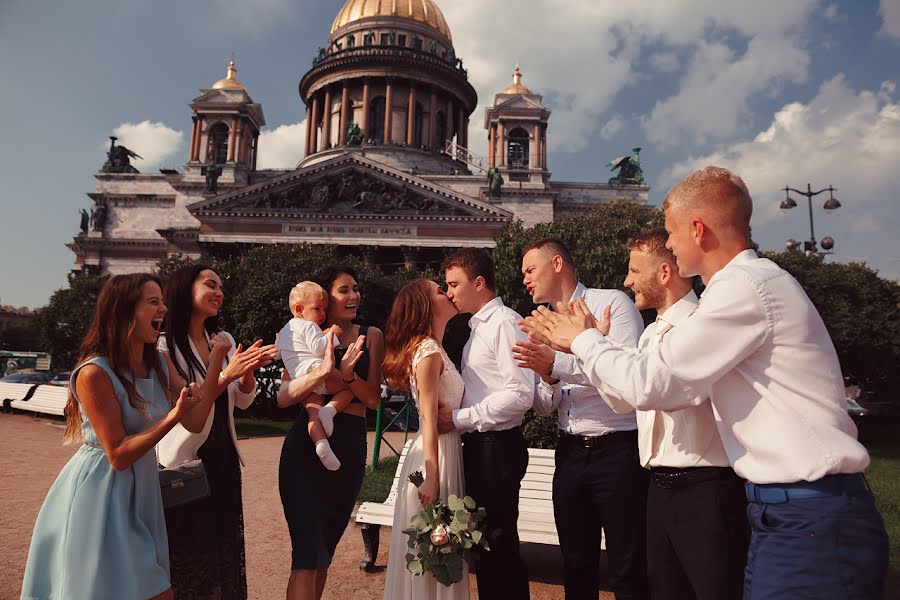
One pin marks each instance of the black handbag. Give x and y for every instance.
(183, 484)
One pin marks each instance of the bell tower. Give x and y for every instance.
(226, 130)
(517, 133)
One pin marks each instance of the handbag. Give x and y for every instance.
(183, 484)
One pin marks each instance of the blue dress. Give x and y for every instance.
(101, 533)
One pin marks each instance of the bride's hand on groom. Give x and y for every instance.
(445, 422)
(429, 491)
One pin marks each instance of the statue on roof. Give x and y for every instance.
(354, 135)
(98, 215)
(118, 159)
(213, 172)
(630, 172)
(495, 182)
(85, 220)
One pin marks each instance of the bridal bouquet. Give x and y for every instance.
(442, 536)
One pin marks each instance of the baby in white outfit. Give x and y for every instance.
(302, 343)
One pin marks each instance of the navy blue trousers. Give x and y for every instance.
(826, 548)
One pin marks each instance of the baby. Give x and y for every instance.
(302, 344)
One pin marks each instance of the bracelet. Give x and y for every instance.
(223, 380)
(351, 381)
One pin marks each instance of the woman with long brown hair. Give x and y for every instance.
(416, 361)
(101, 532)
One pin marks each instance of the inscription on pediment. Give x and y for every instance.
(351, 192)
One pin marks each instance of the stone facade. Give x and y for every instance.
(406, 189)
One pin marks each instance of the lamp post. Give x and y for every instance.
(810, 246)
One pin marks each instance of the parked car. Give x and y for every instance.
(855, 410)
(61, 379)
(27, 377)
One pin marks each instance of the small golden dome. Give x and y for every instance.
(229, 83)
(423, 11)
(517, 87)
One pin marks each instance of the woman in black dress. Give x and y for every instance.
(317, 502)
(206, 537)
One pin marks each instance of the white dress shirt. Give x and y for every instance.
(683, 438)
(757, 349)
(180, 445)
(498, 392)
(582, 410)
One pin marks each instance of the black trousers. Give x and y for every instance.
(595, 490)
(697, 536)
(495, 463)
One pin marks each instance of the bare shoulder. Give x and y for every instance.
(374, 336)
(92, 379)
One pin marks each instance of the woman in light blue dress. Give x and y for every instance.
(101, 533)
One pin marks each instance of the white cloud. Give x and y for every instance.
(890, 14)
(718, 86)
(664, 62)
(831, 12)
(841, 137)
(582, 54)
(156, 143)
(282, 147)
(612, 127)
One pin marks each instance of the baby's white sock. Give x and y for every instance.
(326, 418)
(327, 456)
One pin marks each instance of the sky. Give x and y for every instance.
(782, 92)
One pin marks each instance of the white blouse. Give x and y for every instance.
(180, 445)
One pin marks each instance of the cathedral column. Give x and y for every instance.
(365, 113)
(308, 128)
(195, 140)
(314, 139)
(492, 146)
(544, 147)
(345, 109)
(534, 159)
(239, 142)
(502, 143)
(231, 140)
(432, 122)
(411, 116)
(326, 120)
(451, 123)
(461, 124)
(388, 111)
(465, 126)
(255, 149)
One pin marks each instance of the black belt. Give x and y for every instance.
(597, 441)
(672, 477)
(514, 433)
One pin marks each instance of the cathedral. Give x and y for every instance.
(387, 173)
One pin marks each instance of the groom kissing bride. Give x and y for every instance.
(482, 408)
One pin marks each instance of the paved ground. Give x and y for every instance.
(31, 455)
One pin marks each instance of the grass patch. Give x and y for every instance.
(377, 484)
(248, 428)
(879, 434)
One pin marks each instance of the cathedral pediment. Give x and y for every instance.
(519, 102)
(348, 185)
(213, 96)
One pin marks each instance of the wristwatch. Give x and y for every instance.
(351, 381)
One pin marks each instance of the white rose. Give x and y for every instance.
(439, 536)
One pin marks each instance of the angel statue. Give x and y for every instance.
(630, 172)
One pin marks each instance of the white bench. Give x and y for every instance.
(536, 523)
(10, 392)
(46, 400)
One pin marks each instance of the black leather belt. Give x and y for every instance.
(597, 441)
(492, 436)
(672, 477)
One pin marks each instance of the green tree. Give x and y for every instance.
(63, 323)
(169, 265)
(21, 338)
(860, 311)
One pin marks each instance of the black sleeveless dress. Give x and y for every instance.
(317, 502)
(206, 537)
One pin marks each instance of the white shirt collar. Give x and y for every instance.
(485, 312)
(580, 289)
(741, 258)
(681, 310)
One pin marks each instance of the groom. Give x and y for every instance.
(498, 393)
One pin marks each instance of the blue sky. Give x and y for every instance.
(784, 93)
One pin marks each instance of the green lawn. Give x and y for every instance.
(882, 437)
(377, 484)
(247, 427)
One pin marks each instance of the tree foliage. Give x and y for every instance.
(63, 323)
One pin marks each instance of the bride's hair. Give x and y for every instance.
(408, 325)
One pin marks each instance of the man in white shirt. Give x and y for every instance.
(758, 351)
(497, 396)
(697, 530)
(598, 484)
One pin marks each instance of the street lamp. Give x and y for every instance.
(832, 203)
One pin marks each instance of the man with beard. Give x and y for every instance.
(598, 485)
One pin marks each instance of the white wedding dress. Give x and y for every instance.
(400, 584)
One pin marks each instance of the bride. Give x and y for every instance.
(416, 361)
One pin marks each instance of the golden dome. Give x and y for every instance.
(423, 11)
(517, 87)
(229, 83)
